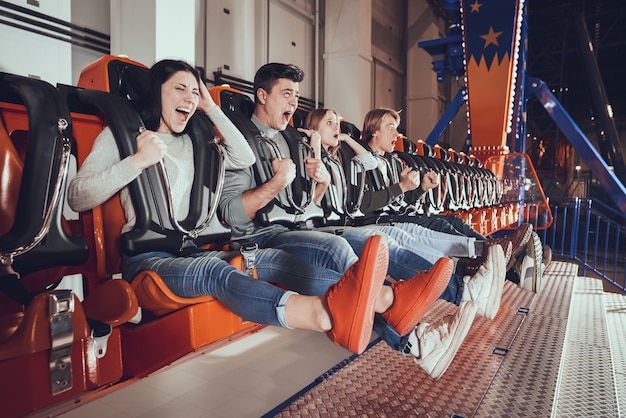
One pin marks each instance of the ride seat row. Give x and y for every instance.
(464, 185)
(52, 346)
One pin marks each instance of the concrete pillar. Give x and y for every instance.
(150, 30)
(348, 58)
(423, 108)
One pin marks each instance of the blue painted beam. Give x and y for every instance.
(448, 115)
(579, 141)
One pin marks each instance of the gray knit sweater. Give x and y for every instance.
(103, 173)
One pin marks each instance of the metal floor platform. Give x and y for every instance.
(516, 365)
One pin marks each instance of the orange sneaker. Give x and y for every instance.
(412, 298)
(351, 300)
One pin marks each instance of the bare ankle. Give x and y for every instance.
(324, 320)
(384, 300)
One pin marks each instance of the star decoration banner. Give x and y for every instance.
(491, 31)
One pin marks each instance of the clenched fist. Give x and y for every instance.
(150, 150)
(284, 171)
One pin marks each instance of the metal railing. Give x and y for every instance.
(591, 233)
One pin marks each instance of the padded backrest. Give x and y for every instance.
(408, 146)
(299, 117)
(350, 129)
(110, 73)
(233, 100)
(128, 81)
(42, 184)
(11, 167)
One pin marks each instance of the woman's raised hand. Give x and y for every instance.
(206, 102)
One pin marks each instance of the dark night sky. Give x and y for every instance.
(554, 53)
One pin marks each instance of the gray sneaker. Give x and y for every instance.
(546, 258)
(531, 268)
(524, 269)
(485, 287)
(435, 345)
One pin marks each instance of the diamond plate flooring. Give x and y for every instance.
(508, 367)
(587, 386)
(526, 383)
(615, 306)
(383, 383)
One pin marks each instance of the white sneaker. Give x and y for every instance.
(435, 345)
(524, 270)
(546, 258)
(531, 269)
(485, 287)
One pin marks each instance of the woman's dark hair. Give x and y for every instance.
(159, 73)
(269, 74)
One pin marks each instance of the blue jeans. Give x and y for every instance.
(318, 261)
(430, 244)
(403, 264)
(337, 253)
(328, 251)
(446, 223)
(208, 274)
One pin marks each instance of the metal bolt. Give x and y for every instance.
(62, 124)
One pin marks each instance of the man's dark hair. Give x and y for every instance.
(159, 73)
(269, 74)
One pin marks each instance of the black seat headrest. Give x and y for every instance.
(128, 81)
(350, 129)
(299, 117)
(236, 102)
(409, 146)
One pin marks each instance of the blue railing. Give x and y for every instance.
(591, 233)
